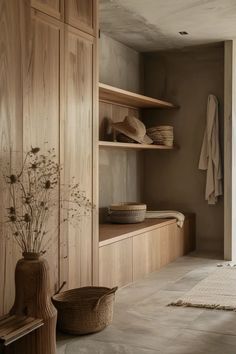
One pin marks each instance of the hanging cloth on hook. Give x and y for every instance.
(210, 159)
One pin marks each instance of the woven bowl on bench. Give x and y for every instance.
(127, 213)
(84, 310)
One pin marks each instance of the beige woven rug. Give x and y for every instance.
(217, 291)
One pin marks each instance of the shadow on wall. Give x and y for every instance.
(172, 179)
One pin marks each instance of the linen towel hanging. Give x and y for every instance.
(166, 214)
(210, 160)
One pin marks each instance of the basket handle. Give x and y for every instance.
(108, 292)
(61, 287)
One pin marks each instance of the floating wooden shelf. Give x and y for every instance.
(109, 233)
(111, 144)
(116, 95)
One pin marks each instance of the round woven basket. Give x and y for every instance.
(84, 310)
(127, 213)
(162, 135)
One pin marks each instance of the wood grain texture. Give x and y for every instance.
(114, 112)
(54, 8)
(146, 253)
(115, 264)
(167, 249)
(109, 93)
(12, 28)
(120, 171)
(13, 327)
(33, 97)
(95, 137)
(109, 233)
(185, 238)
(42, 107)
(152, 249)
(82, 14)
(80, 53)
(118, 145)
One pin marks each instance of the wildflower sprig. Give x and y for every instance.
(35, 195)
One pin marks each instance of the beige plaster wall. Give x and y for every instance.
(120, 171)
(119, 65)
(172, 179)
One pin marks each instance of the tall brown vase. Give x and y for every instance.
(33, 299)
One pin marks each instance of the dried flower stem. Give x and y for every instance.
(35, 193)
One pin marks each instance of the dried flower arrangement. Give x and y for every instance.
(34, 197)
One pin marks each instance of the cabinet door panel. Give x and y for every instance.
(146, 253)
(179, 240)
(167, 244)
(115, 264)
(82, 14)
(185, 237)
(13, 15)
(42, 107)
(54, 8)
(80, 54)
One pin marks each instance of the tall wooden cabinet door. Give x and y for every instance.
(80, 102)
(54, 8)
(82, 14)
(13, 19)
(42, 107)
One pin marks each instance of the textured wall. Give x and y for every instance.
(120, 178)
(151, 25)
(172, 179)
(120, 170)
(120, 66)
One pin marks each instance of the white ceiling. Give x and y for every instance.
(149, 25)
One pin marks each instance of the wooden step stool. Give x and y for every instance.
(13, 328)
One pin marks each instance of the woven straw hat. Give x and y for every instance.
(134, 129)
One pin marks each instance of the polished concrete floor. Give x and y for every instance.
(144, 324)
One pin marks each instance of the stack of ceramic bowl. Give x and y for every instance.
(162, 135)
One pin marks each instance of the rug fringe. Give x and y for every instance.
(206, 306)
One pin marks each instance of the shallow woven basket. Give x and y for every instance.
(84, 310)
(162, 135)
(127, 213)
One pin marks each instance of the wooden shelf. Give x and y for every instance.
(116, 95)
(115, 145)
(110, 233)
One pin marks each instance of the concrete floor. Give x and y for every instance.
(144, 324)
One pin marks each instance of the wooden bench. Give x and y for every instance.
(13, 328)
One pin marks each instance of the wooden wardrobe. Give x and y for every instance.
(49, 94)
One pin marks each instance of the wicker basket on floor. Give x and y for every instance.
(84, 310)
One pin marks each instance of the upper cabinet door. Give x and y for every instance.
(79, 150)
(82, 14)
(41, 122)
(54, 8)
